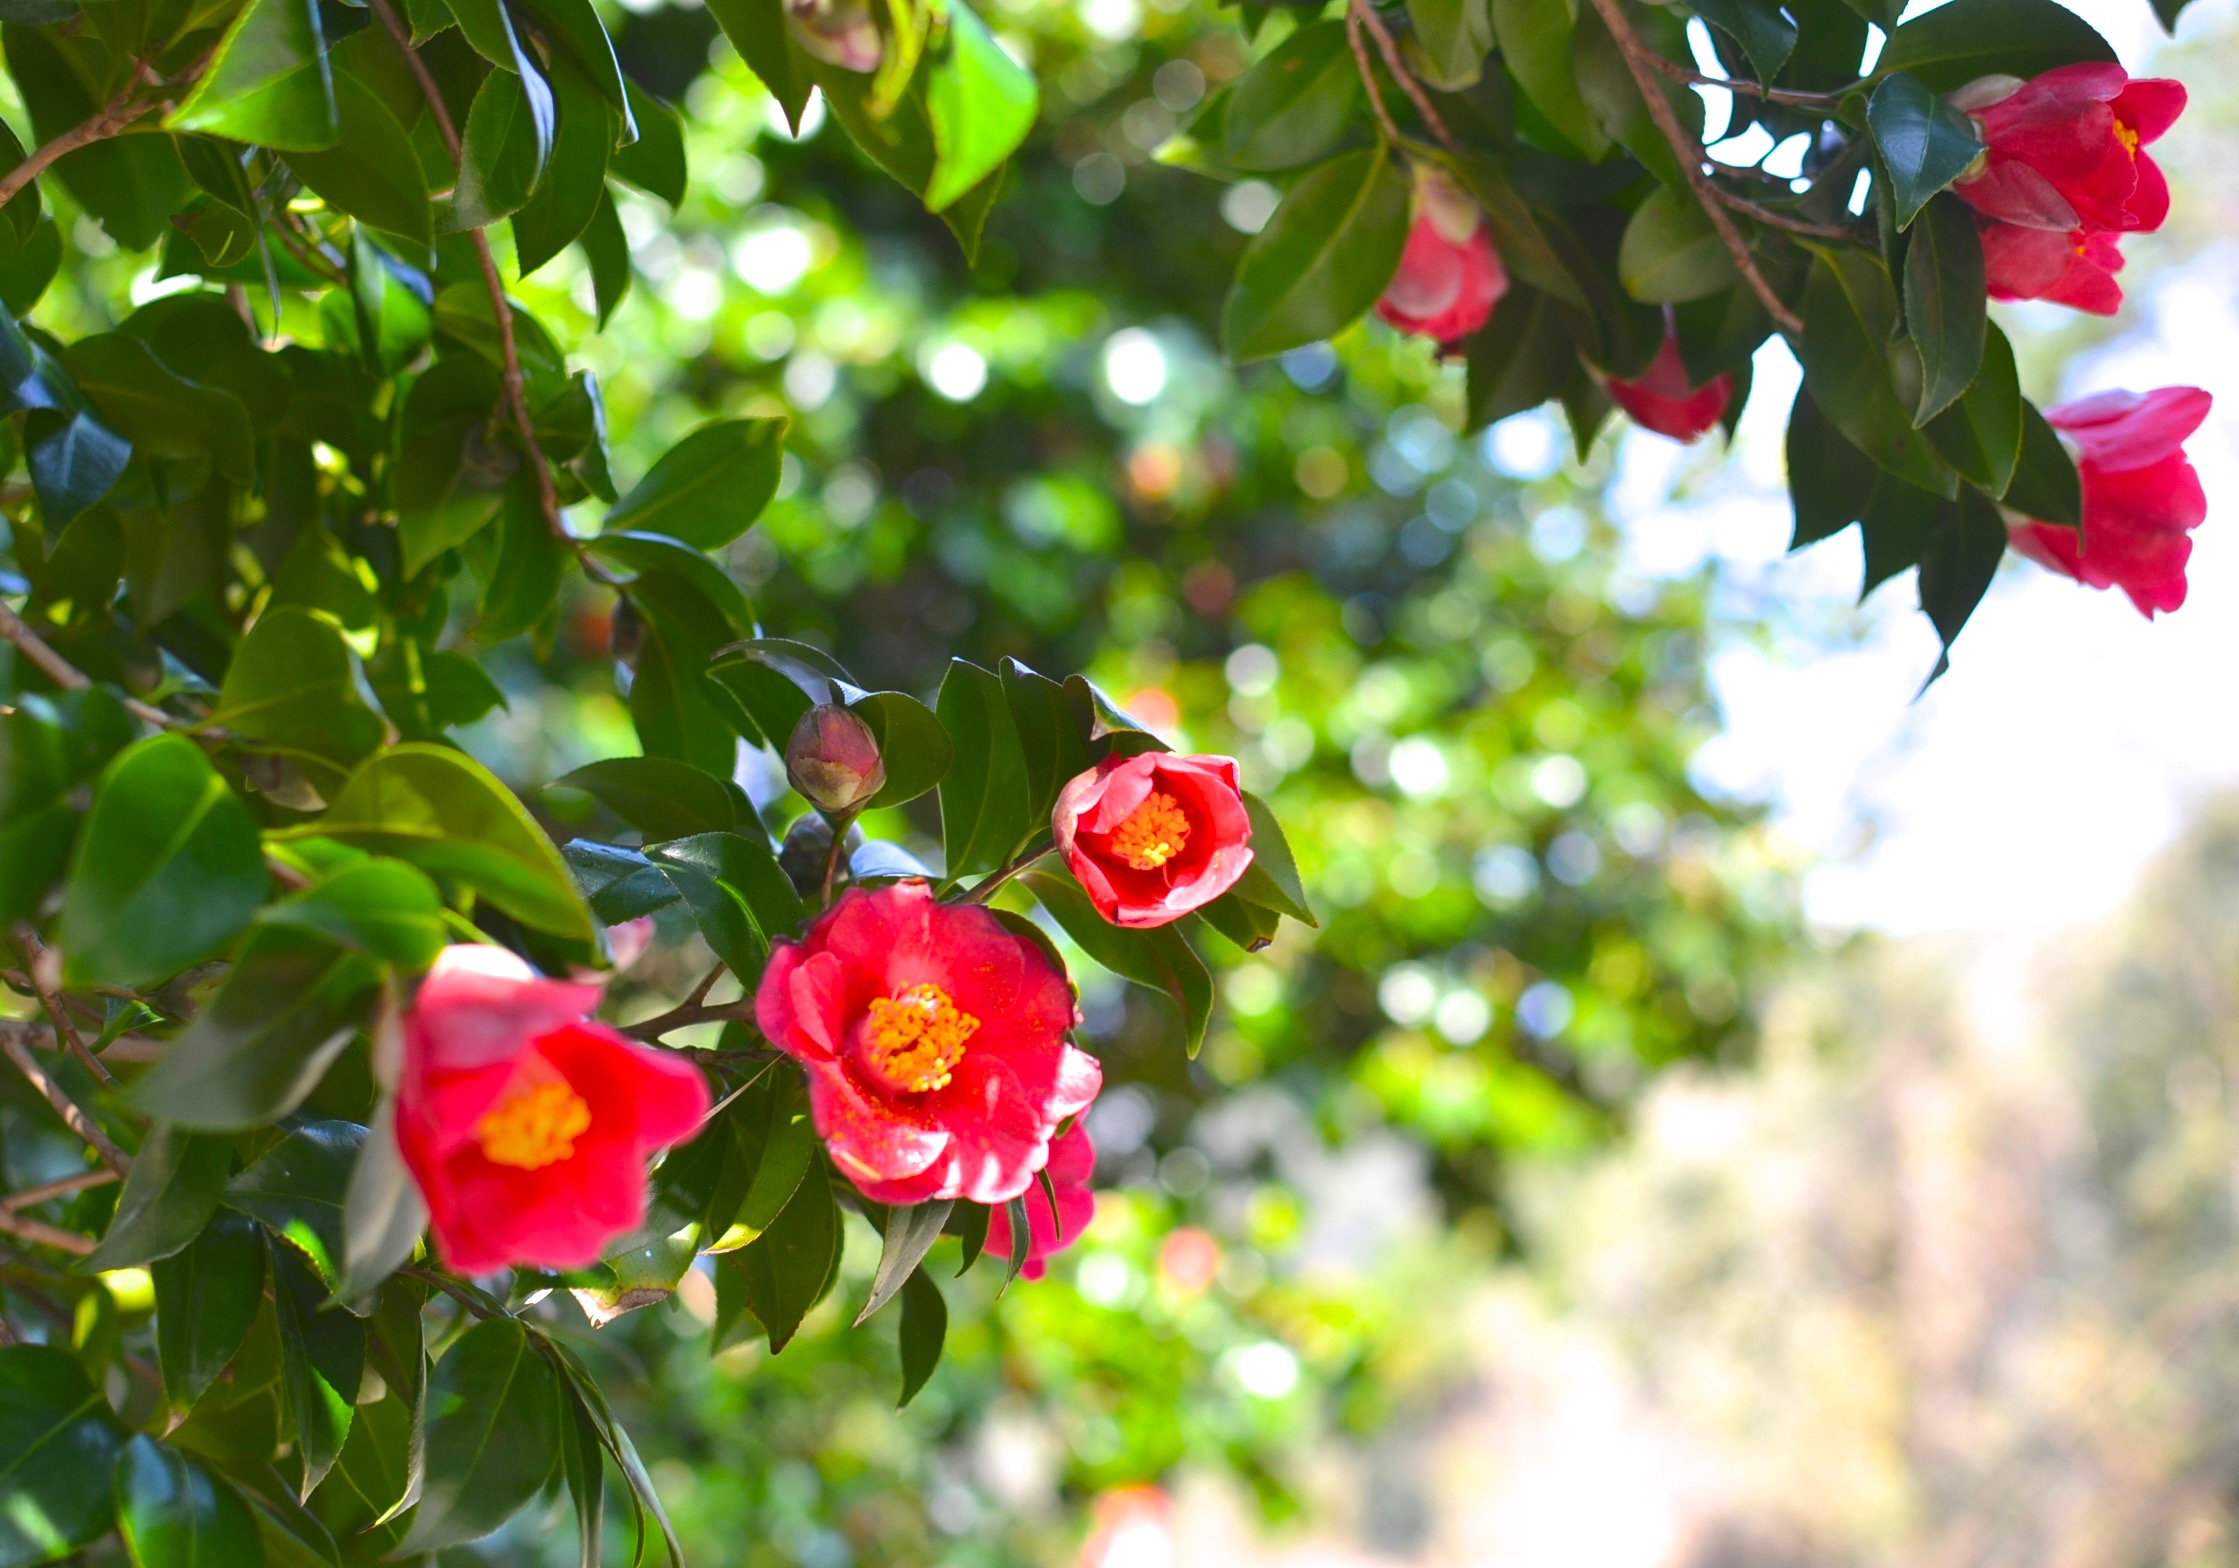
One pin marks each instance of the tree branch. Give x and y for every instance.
(1778, 219)
(1368, 72)
(44, 967)
(984, 889)
(120, 112)
(516, 394)
(1400, 74)
(25, 1229)
(56, 1189)
(1793, 97)
(65, 674)
(1640, 61)
(74, 1118)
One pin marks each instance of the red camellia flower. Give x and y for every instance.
(1151, 838)
(526, 1127)
(934, 1040)
(1072, 1163)
(2076, 269)
(1663, 400)
(1449, 277)
(2063, 151)
(2141, 497)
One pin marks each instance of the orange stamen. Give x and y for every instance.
(915, 1040)
(1152, 834)
(534, 1125)
(2129, 137)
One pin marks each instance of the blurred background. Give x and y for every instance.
(1737, 1111)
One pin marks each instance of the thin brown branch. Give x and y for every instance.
(284, 225)
(56, 1189)
(1368, 74)
(65, 674)
(986, 887)
(17, 1225)
(55, 1095)
(44, 966)
(120, 112)
(1778, 219)
(133, 1048)
(1400, 74)
(740, 1011)
(509, 352)
(1639, 60)
(1792, 97)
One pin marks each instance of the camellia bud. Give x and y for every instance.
(832, 758)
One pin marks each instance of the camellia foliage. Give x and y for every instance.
(318, 995)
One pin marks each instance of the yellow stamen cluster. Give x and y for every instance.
(915, 1040)
(534, 1125)
(2129, 137)
(1152, 834)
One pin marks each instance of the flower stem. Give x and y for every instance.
(985, 888)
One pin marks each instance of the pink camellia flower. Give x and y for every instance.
(2076, 269)
(1072, 1164)
(1665, 401)
(1449, 277)
(2141, 497)
(934, 1041)
(1152, 837)
(2063, 151)
(526, 1127)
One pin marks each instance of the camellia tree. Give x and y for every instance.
(317, 996)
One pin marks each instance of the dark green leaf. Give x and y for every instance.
(294, 688)
(1296, 103)
(2168, 11)
(982, 104)
(168, 1196)
(923, 1329)
(620, 884)
(376, 906)
(770, 682)
(788, 1148)
(161, 412)
(1896, 522)
(786, 1270)
(371, 172)
(1949, 47)
(1980, 435)
(1522, 357)
(561, 206)
(1956, 568)
(322, 1363)
(1765, 34)
(1050, 734)
(736, 892)
(296, 1190)
(493, 1435)
(1925, 143)
(1829, 480)
(1272, 880)
(168, 868)
(132, 183)
(34, 849)
(1670, 253)
(1455, 36)
(655, 161)
(582, 1464)
(971, 1237)
(1247, 925)
(986, 795)
(577, 24)
(758, 30)
(644, 554)
(1323, 259)
(503, 150)
(1849, 310)
(1159, 959)
(661, 798)
(672, 702)
(174, 1513)
(2045, 485)
(74, 460)
(383, 1213)
(708, 488)
(268, 83)
(58, 1441)
(606, 250)
(1537, 39)
(911, 1230)
(911, 742)
(206, 1299)
(530, 562)
(1944, 302)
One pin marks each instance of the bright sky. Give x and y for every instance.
(2027, 787)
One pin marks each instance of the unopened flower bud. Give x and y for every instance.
(832, 758)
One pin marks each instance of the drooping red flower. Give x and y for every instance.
(934, 1041)
(2076, 269)
(1072, 1164)
(1665, 401)
(1151, 838)
(2141, 498)
(2064, 150)
(527, 1127)
(1449, 277)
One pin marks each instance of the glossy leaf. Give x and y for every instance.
(1766, 35)
(58, 1440)
(206, 1300)
(2045, 485)
(1296, 102)
(493, 1435)
(1849, 309)
(1159, 959)
(661, 798)
(371, 171)
(911, 1230)
(770, 682)
(981, 103)
(1944, 302)
(561, 206)
(380, 907)
(985, 798)
(736, 892)
(169, 1194)
(296, 1190)
(923, 1330)
(788, 1268)
(655, 161)
(74, 460)
(911, 742)
(1537, 39)
(1670, 253)
(1271, 881)
(294, 688)
(1956, 569)
(175, 1513)
(1925, 143)
(383, 1213)
(1323, 258)
(268, 83)
(322, 1363)
(1980, 434)
(708, 488)
(161, 412)
(503, 150)
(620, 884)
(1949, 47)
(1829, 480)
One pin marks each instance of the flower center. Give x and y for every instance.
(2128, 137)
(534, 1125)
(1152, 834)
(915, 1040)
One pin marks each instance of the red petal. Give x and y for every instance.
(2120, 430)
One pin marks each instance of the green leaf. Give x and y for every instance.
(672, 702)
(1295, 104)
(1520, 358)
(758, 30)
(1765, 34)
(58, 1440)
(34, 849)
(661, 798)
(708, 488)
(2045, 485)
(982, 104)
(174, 1513)
(383, 1212)
(1849, 311)
(169, 1195)
(74, 460)
(770, 682)
(523, 575)
(606, 251)
(167, 870)
(161, 412)
(737, 893)
(1670, 253)
(1925, 143)
(294, 688)
(1944, 302)
(1957, 567)
(923, 1330)
(577, 25)
(131, 183)
(1949, 47)
(911, 1229)
(1271, 881)
(322, 1364)
(620, 884)
(787, 1269)
(1537, 39)
(2167, 11)
(206, 1299)
(582, 1465)
(788, 1149)
(1323, 259)
(377, 906)
(985, 798)
(655, 161)
(1980, 435)
(1157, 959)
(1455, 36)
(1051, 734)
(562, 205)
(447, 814)
(1829, 480)
(646, 554)
(371, 171)
(253, 1053)
(504, 149)
(268, 83)
(493, 1435)
(1247, 925)
(296, 1190)
(916, 750)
